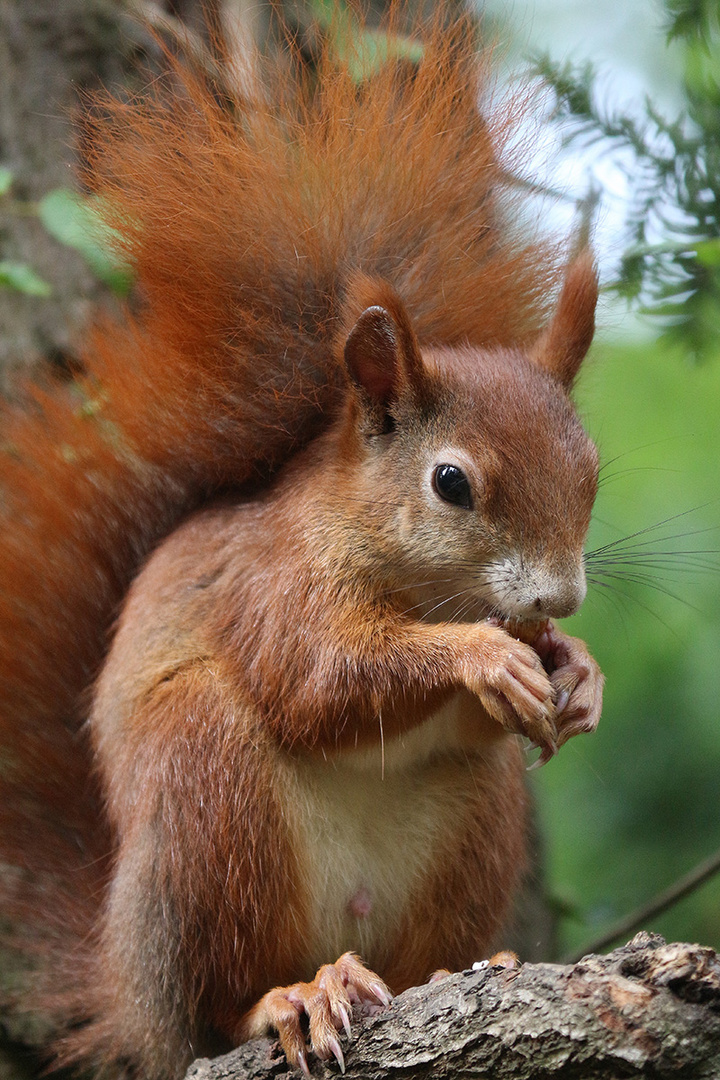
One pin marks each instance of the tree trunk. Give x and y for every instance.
(49, 54)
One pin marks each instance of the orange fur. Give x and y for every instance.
(171, 862)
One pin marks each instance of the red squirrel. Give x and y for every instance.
(280, 566)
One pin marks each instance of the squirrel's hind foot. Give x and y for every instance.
(327, 1004)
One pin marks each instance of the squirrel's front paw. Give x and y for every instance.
(326, 1002)
(514, 688)
(577, 681)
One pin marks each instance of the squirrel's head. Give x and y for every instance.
(473, 469)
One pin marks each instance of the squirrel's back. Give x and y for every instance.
(244, 216)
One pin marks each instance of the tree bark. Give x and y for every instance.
(49, 54)
(648, 1009)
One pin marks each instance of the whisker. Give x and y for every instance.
(623, 547)
(637, 449)
(631, 597)
(658, 525)
(418, 585)
(439, 604)
(675, 561)
(607, 593)
(463, 610)
(603, 481)
(650, 583)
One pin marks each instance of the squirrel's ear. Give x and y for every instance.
(562, 346)
(381, 352)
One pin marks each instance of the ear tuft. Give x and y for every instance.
(380, 350)
(371, 354)
(562, 346)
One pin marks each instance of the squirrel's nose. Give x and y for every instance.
(531, 589)
(558, 596)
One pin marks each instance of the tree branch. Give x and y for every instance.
(648, 1009)
(659, 903)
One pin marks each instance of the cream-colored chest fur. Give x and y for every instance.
(370, 824)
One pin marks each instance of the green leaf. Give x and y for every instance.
(708, 253)
(362, 51)
(693, 20)
(325, 12)
(78, 223)
(19, 276)
(6, 179)
(370, 49)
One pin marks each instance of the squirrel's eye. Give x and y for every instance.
(451, 484)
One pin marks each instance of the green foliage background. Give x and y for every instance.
(634, 806)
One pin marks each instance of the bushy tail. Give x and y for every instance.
(242, 216)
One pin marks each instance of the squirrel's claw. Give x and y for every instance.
(326, 1002)
(344, 1018)
(578, 682)
(575, 683)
